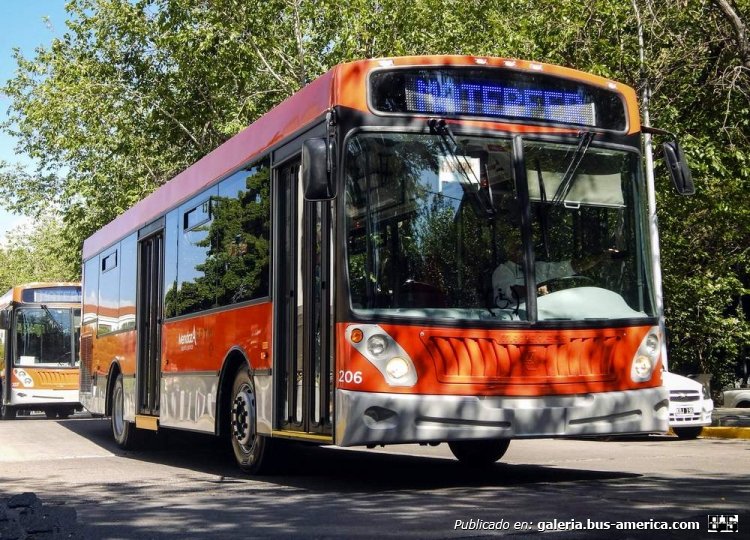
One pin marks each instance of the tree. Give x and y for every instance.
(33, 254)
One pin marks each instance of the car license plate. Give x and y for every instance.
(684, 411)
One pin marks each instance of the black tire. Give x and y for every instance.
(50, 413)
(125, 433)
(479, 453)
(252, 451)
(64, 414)
(7, 412)
(687, 432)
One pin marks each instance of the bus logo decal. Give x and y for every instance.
(188, 340)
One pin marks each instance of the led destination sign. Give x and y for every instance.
(480, 98)
(52, 294)
(496, 94)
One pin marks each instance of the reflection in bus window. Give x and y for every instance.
(223, 254)
(588, 218)
(109, 297)
(129, 250)
(429, 223)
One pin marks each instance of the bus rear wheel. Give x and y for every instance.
(479, 453)
(124, 432)
(252, 451)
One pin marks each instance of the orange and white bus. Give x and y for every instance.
(420, 249)
(40, 326)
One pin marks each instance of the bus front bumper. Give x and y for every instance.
(32, 396)
(375, 418)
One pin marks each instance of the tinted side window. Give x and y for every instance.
(196, 276)
(109, 291)
(223, 252)
(90, 290)
(171, 232)
(241, 231)
(128, 263)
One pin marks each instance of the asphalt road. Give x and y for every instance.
(186, 486)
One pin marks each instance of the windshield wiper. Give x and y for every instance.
(566, 184)
(467, 177)
(52, 318)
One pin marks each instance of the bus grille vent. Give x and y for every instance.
(486, 360)
(60, 380)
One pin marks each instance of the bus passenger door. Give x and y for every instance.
(150, 314)
(302, 358)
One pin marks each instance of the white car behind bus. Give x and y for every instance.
(690, 405)
(737, 398)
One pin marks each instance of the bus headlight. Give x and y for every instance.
(397, 367)
(383, 352)
(646, 356)
(377, 344)
(24, 378)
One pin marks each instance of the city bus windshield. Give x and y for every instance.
(434, 229)
(47, 336)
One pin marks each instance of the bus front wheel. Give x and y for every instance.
(252, 451)
(124, 432)
(7, 412)
(479, 453)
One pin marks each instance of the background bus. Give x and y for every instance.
(40, 327)
(371, 262)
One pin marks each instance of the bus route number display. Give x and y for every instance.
(496, 94)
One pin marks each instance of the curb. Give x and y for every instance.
(711, 432)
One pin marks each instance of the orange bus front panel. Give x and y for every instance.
(452, 361)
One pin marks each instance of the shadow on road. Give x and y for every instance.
(302, 465)
(338, 493)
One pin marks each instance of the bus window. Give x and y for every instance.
(421, 239)
(585, 218)
(242, 223)
(109, 295)
(44, 337)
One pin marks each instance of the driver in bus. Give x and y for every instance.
(508, 281)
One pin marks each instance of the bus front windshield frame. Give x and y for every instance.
(437, 228)
(47, 336)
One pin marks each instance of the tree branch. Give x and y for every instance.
(740, 30)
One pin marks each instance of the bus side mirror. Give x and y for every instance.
(317, 182)
(678, 168)
(4, 320)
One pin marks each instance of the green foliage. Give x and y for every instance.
(138, 89)
(35, 254)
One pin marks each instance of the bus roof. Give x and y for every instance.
(15, 293)
(344, 85)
